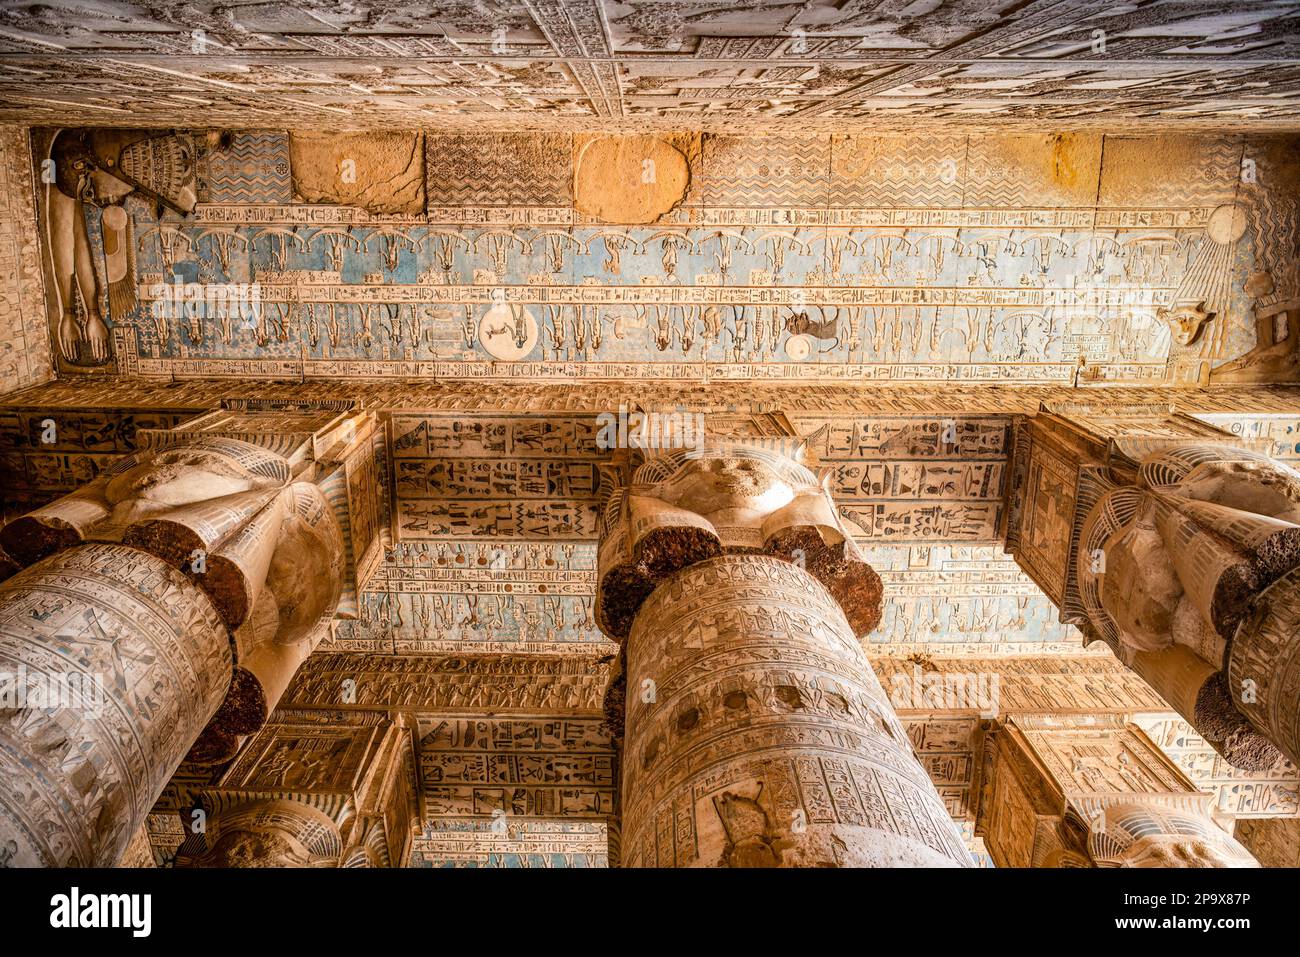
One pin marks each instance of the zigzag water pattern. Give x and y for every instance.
(910, 172)
(773, 170)
(1212, 181)
(500, 170)
(1019, 172)
(254, 169)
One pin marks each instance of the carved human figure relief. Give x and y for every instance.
(101, 168)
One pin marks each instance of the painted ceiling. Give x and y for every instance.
(812, 64)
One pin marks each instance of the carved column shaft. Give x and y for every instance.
(755, 732)
(131, 660)
(758, 736)
(1264, 665)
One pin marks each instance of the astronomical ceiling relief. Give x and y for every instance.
(1046, 258)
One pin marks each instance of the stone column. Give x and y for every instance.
(1179, 547)
(1275, 841)
(164, 604)
(756, 732)
(115, 661)
(1264, 664)
(1093, 791)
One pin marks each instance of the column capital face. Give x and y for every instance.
(267, 832)
(342, 794)
(689, 505)
(331, 444)
(1173, 567)
(1094, 790)
(235, 518)
(1151, 833)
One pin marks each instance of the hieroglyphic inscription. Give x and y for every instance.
(759, 274)
(505, 477)
(505, 769)
(1240, 794)
(915, 478)
(962, 600)
(1089, 683)
(1049, 518)
(521, 844)
(45, 454)
(948, 747)
(425, 683)
(25, 358)
(287, 757)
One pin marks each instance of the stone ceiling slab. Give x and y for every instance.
(683, 63)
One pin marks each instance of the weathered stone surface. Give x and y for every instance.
(745, 687)
(629, 179)
(25, 355)
(1158, 534)
(1143, 834)
(996, 266)
(275, 832)
(1051, 169)
(379, 172)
